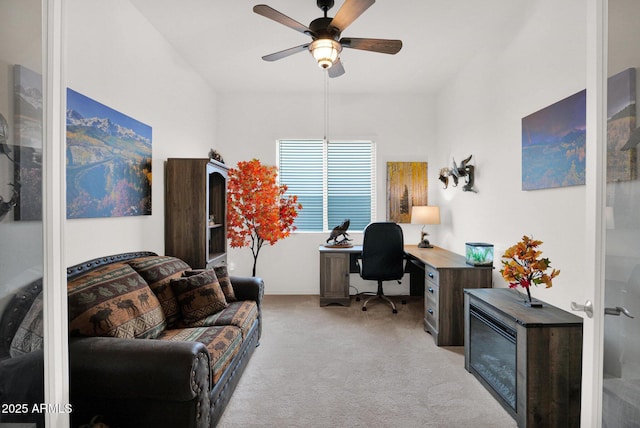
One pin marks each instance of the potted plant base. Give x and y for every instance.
(533, 303)
(530, 302)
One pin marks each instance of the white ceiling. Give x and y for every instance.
(224, 41)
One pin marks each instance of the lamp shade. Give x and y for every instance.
(325, 51)
(425, 215)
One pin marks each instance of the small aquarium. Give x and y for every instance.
(479, 254)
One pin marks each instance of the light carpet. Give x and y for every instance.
(342, 367)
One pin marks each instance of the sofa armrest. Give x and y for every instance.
(248, 288)
(138, 368)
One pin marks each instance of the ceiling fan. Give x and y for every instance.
(325, 32)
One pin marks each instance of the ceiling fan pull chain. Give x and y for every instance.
(326, 105)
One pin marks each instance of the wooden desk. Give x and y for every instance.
(336, 263)
(446, 274)
(436, 273)
(335, 267)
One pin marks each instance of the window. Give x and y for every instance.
(333, 180)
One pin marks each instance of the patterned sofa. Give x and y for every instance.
(153, 343)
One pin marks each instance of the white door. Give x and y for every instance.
(621, 349)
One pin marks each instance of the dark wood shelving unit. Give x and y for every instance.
(196, 211)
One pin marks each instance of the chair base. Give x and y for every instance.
(383, 297)
(379, 295)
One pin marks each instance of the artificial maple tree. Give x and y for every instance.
(522, 266)
(258, 210)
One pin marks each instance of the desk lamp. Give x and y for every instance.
(425, 215)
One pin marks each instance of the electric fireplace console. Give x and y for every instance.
(530, 359)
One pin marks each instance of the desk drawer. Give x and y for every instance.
(431, 315)
(431, 275)
(431, 305)
(431, 293)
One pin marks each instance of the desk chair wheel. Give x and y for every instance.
(364, 309)
(395, 311)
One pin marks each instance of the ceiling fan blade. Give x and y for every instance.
(337, 69)
(374, 45)
(349, 12)
(285, 53)
(279, 17)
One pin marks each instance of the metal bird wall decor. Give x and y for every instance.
(337, 232)
(464, 170)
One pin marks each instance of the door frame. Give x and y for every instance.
(56, 350)
(593, 343)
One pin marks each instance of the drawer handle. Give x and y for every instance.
(430, 274)
(430, 311)
(431, 290)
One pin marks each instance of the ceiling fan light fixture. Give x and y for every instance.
(325, 51)
(325, 33)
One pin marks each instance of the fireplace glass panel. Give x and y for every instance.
(492, 354)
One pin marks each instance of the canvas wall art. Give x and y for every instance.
(108, 161)
(553, 145)
(27, 147)
(407, 185)
(621, 121)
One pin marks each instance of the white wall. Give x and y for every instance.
(480, 113)
(402, 127)
(117, 58)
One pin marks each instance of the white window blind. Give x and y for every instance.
(333, 180)
(301, 168)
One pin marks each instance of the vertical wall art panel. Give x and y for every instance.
(28, 143)
(406, 186)
(553, 144)
(621, 121)
(108, 161)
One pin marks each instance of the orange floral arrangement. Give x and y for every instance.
(258, 210)
(523, 266)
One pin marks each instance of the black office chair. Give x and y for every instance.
(382, 258)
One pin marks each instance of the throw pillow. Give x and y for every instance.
(198, 295)
(158, 271)
(113, 301)
(28, 337)
(223, 278)
(225, 283)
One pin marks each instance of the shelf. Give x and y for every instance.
(216, 259)
(195, 211)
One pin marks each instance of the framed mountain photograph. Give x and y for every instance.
(108, 161)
